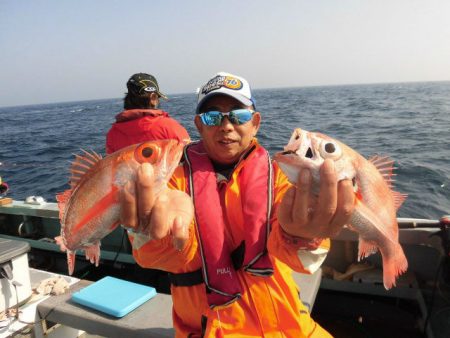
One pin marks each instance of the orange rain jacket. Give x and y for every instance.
(269, 306)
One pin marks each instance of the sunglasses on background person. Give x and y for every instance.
(236, 116)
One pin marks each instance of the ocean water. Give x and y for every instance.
(410, 122)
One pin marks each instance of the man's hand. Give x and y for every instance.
(156, 213)
(302, 214)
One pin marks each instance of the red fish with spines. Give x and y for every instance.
(374, 216)
(90, 209)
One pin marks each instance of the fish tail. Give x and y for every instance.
(393, 266)
(71, 261)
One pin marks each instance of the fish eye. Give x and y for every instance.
(329, 149)
(147, 153)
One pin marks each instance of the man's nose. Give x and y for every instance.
(226, 124)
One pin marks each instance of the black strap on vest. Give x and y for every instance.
(204, 323)
(237, 256)
(187, 278)
(196, 277)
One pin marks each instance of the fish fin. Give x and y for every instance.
(367, 218)
(393, 266)
(385, 166)
(399, 198)
(365, 249)
(93, 253)
(71, 257)
(81, 165)
(62, 199)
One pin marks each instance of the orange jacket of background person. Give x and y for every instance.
(138, 125)
(269, 306)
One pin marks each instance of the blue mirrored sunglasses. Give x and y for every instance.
(237, 116)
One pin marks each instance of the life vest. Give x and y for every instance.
(220, 262)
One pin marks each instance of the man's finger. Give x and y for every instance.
(301, 202)
(128, 207)
(346, 203)
(284, 212)
(145, 193)
(327, 202)
(180, 233)
(159, 220)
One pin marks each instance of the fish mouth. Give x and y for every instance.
(287, 152)
(309, 153)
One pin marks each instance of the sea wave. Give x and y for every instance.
(408, 122)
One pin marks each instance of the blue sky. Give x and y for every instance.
(59, 50)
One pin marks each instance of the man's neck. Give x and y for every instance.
(227, 169)
(224, 170)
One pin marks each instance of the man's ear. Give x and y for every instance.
(154, 100)
(198, 123)
(256, 120)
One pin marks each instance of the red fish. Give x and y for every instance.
(90, 209)
(374, 216)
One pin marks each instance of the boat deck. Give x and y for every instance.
(59, 316)
(354, 307)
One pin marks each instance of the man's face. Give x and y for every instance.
(226, 143)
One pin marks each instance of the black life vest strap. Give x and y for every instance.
(186, 278)
(237, 256)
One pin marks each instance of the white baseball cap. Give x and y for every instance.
(226, 84)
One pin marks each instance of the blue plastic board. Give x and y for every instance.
(114, 296)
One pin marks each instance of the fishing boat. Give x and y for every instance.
(351, 300)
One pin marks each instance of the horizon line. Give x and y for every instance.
(253, 89)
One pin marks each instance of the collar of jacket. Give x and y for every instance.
(133, 114)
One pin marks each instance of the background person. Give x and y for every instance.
(230, 265)
(3, 188)
(141, 119)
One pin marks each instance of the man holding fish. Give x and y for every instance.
(230, 228)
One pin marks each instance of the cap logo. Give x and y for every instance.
(222, 81)
(232, 83)
(147, 86)
(149, 89)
